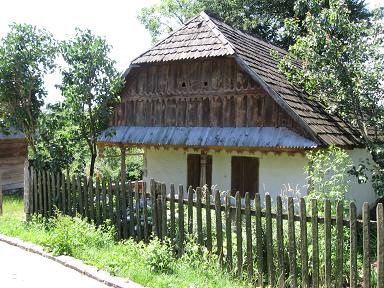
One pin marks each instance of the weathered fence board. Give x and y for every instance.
(246, 237)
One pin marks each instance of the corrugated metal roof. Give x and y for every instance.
(11, 134)
(207, 136)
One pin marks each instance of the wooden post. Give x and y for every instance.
(228, 232)
(203, 169)
(280, 239)
(199, 217)
(353, 244)
(208, 218)
(339, 244)
(248, 233)
(304, 244)
(315, 245)
(380, 245)
(328, 236)
(292, 243)
(268, 234)
(366, 252)
(181, 218)
(27, 192)
(259, 242)
(219, 227)
(239, 235)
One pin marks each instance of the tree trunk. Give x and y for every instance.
(92, 166)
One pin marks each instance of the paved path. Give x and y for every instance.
(20, 268)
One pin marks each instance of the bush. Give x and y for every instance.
(159, 256)
(70, 235)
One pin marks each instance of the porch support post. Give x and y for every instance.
(203, 169)
(123, 166)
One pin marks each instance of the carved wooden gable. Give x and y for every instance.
(212, 92)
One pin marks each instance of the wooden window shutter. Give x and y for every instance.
(245, 175)
(194, 169)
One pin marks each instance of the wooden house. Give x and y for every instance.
(209, 106)
(13, 154)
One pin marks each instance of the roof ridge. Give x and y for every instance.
(215, 30)
(182, 26)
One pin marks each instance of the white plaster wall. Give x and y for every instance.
(363, 192)
(277, 172)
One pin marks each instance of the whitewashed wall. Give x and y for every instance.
(278, 173)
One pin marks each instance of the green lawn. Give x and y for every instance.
(151, 266)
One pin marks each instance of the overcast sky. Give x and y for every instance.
(116, 20)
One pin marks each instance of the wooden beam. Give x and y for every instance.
(203, 169)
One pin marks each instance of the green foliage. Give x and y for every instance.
(264, 18)
(27, 54)
(90, 86)
(109, 162)
(342, 68)
(71, 235)
(328, 172)
(159, 256)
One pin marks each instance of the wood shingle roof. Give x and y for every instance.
(204, 36)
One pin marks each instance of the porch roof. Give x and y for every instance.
(246, 137)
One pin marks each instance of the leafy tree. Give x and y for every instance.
(264, 18)
(343, 68)
(90, 86)
(27, 54)
(59, 143)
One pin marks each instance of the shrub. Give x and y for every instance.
(70, 235)
(159, 256)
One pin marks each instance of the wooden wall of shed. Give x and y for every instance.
(212, 92)
(12, 157)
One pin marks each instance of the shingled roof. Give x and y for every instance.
(204, 36)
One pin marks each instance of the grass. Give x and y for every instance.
(153, 266)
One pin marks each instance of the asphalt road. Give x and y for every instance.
(20, 268)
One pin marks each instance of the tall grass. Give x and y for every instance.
(154, 265)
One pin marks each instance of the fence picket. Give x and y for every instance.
(339, 244)
(248, 234)
(228, 232)
(327, 231)
(104, 200)
(219, 228)
(172, 212)
(44, 193)
(154, 207)
(380, 245)
(145, 214)
(138, 214)
(304, 244)
(159, 218)
(97, 199)
(366, 252)
(190, 210)
(123, 209)
(79, 196)
(280, 239)
(181, 218)
(259, 241)
(315, 245)
(63, 194)
(353, 244)
(118, 204)
(110, 200)
(239, 233)
(132, 221)
(68, 195)
(208, 219)
(199, 217)
(40, 189)
(268, 235)
(292, 243)
(164, 222)
(49, 193)
(35, 192)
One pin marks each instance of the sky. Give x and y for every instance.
(115, 20)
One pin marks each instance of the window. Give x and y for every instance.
(194, 162)
(245, 175)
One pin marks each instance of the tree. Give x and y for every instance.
(90, 86)
(27, 54)
(342, 67)
(264, 18)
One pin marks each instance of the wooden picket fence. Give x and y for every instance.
(277, 245)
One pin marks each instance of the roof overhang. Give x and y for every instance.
(216, 138)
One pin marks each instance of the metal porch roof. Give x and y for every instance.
(261, 137)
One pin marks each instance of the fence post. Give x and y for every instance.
(145, 213)
(366, 252)
(239, 237)
(315, 245)
(353, 243)
(199, 217)
(259, 241)
(190, 210)
(27, 192)
(164, 211)
(280, 240)
(339, 244)
(304, 244)
(292, 243)
(1, 196)
(181, 218)
(219, 228)
(228, 232)
(138, 214)
(208, 218)
(380, 245)
(327, 230)
(172, 212)
(248, 233)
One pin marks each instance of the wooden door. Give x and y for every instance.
(245, 175)
(194, 170)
